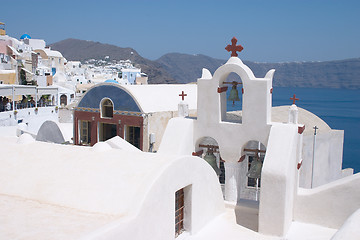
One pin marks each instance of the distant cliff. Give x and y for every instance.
(331, 74)
(185, 68)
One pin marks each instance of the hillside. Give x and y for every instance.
(331, 74)
(185, 68)
(75, 49)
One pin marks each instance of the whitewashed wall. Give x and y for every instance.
(203, 202)
(328, 205)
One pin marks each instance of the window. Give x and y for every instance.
(179, 212)
(222, 174)
(107, 108)
(85, 132)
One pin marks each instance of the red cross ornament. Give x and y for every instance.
(294, 99)
(182, 95)
(233, 48)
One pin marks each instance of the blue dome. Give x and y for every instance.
(111, 81)
(25, 36)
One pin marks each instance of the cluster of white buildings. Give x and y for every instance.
(122, 71)
(28, 61)
(32, 72)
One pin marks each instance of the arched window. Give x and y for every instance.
(107, 108)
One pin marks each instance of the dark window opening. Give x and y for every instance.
(132, 135)
(222, 174)
(107, 131)
(179, 212)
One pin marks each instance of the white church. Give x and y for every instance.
(217, 175)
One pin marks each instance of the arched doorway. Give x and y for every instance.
(231, 98)
(208, 149)
(63, 100)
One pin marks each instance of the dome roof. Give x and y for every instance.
(111, 81)
(25, 36)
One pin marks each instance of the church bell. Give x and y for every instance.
(211, 159)
(234, 94)
(255, 168)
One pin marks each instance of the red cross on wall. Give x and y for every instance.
(294, 99)
(182, 95)
(233, 48)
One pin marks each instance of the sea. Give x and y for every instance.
(339, 108)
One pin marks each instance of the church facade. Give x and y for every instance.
(259, 159)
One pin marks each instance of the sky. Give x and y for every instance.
(269, 30)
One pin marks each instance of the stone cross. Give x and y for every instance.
(233, 48)
(315, 129)
(183, 107)
(182, 95)
(294, 99)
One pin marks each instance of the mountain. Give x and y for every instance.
(331, 74)
(185, 68)
(81, 50)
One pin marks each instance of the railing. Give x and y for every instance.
(20, 105)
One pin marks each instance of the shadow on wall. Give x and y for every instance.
(247, 214)
(50, 132)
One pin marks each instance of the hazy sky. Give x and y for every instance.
(269, 30)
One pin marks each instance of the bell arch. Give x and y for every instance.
(253, 156)
(249, 192)
(232, 98)
(208, 149)
(234, 68)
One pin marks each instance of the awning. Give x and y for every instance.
(6, 90)
(47, 90)
(24, 90)
(14, 50)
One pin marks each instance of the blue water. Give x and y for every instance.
(339, 108)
